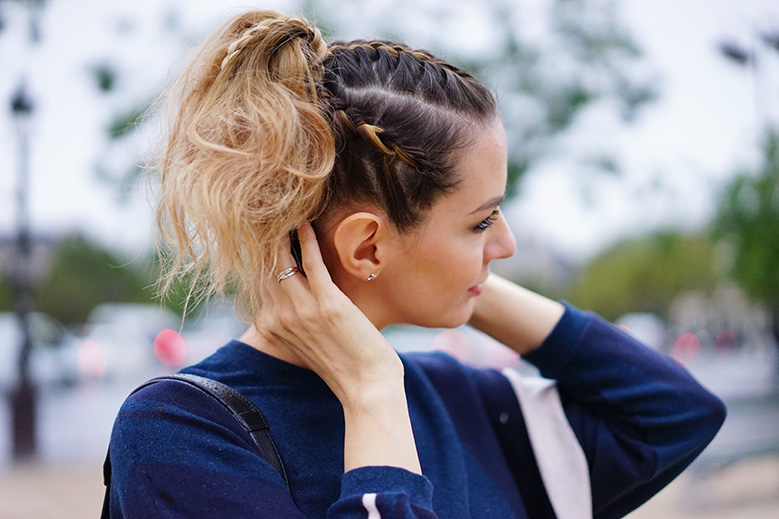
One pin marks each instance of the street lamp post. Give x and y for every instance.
(23, 398)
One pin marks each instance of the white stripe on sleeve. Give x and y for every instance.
(369, 502)
(561, 460)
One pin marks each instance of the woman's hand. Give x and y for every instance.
(318, 323)
(514, 315)
(323, 328)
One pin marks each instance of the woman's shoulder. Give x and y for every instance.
(166, 408)
(455, 380)
(160, 409)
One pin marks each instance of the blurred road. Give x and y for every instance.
(747, 489)
(39, 491)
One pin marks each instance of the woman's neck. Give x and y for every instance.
(270, 346)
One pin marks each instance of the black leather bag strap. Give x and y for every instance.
(248, 415)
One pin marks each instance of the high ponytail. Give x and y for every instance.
(247, 156)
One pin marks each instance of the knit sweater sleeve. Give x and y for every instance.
(639, 417)
(176, 452)
(383, 493)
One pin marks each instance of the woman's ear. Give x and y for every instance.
(359, 241)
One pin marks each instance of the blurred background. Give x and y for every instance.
(644, 183)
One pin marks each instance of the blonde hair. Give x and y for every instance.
(270, 128)
(247, 155)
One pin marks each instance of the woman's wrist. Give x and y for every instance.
(378, 429)
(514, 315)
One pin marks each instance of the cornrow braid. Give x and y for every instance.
(395, 50)
(399, 115)
(371, 133)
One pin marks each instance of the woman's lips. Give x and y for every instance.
(476, 290)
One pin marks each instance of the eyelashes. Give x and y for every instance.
(487, 222)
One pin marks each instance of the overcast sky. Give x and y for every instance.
(680, 151)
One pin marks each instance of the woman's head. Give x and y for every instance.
(271, 127)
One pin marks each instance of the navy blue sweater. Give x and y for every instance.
(639, 418)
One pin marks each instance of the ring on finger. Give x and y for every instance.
(286, 273)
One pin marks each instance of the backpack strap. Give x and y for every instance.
(245, 412)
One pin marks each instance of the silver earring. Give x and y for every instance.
(372, 276)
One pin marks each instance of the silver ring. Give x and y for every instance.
(287, 273)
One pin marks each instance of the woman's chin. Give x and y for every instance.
(451, 319)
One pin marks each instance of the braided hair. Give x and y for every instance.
(398, 116)
(270, 126)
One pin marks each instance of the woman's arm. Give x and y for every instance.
(639, 417)
(514, 315)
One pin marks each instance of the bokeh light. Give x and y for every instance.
(687, 348)
(725, 341)
(170, 348)
(92, 359)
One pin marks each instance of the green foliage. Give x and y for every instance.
(105, 77)
(515, 169)
(177, 298)
(748, 221)
(645, 274)
(126, 122)
(564, 108)
(83, 275)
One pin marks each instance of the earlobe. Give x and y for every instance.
(359, 239)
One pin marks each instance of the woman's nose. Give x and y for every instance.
(502, 243)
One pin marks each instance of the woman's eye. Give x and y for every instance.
(487, 222)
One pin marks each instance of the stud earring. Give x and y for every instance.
(372, 276)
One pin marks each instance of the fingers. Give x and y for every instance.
(276, 292)
(282, 302)
(302, 293)
(318, 275)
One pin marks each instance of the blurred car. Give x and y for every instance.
(118, 339)
(51, 362)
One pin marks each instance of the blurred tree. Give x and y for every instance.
(105, 77)
(748, 221)
(645, 274)
(176, 298)
(83, 275)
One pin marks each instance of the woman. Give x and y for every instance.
(398, 161)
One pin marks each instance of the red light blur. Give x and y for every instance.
(687, 348)
(169, 348)
(726, 341)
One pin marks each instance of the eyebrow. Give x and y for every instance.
(492, 202)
